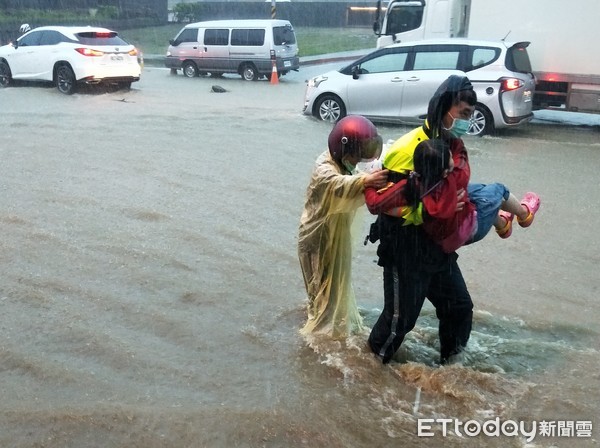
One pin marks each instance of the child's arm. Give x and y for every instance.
(441, 203)
(384, 199)
(462, 169)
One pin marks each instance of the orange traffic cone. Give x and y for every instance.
(274, 74)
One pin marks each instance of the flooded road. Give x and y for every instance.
(151, 294)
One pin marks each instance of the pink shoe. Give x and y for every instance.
(532, 202)
(506, 230)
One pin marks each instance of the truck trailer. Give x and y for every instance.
(562, 38)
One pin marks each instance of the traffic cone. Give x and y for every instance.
(274, 74)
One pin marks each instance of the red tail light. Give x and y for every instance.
(89, 52)
(511, 84)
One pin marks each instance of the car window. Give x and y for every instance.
(436, 60)
(283, 35)
(30, 39)
(187, 35)
(216, 37)
(481, 57)
(51, 37)
(517, 59)
(388, 62)
(100, 38)
(247, 37)
(404, 18)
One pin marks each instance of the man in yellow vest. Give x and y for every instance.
(415, 267)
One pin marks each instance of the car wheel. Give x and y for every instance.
(481, 122)
(330, 108)
(190, 69)
(5, 75)
(249, 72)
(65, 80)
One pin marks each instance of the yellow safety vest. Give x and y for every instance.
(399, 158)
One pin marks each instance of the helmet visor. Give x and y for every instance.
(371, 148)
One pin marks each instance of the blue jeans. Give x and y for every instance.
(487, 199)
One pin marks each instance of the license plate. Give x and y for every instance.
(116, 57)
(527, 96)
(287, 63)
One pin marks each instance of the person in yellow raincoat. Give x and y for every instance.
(335, 192)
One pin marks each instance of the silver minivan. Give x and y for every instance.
(245, 47)
(395, 83)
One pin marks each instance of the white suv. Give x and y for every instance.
(68, 56)
(395, 83)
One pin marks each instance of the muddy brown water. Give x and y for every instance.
(151, 294)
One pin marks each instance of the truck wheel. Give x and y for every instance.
(330, 108)
(5, 75)
(249, 72)
(190, 69)
(482, 122)
(65, 80)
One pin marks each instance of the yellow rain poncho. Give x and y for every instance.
(325, 248)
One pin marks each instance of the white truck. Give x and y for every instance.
(564, 39)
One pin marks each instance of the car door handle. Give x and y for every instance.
(414, 79)
(397, 79)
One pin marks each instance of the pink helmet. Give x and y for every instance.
(356, 136)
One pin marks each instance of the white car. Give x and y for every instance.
(68, 56)
(395, 83)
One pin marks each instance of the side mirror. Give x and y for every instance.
(376, 27)
(15, 44)
(355, 72)
(173, 42)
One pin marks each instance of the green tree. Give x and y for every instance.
(188, 12)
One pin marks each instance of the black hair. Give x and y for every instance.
(431, 158)
(451, 92)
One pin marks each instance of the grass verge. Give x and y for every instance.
(311, 41)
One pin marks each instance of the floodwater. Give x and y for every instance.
(151, 294)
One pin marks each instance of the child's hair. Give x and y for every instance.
(430, 159)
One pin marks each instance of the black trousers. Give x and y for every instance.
(414, 268)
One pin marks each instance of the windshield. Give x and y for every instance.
(283, 35)
(517, 59)
(100, 38)
(404, 18)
